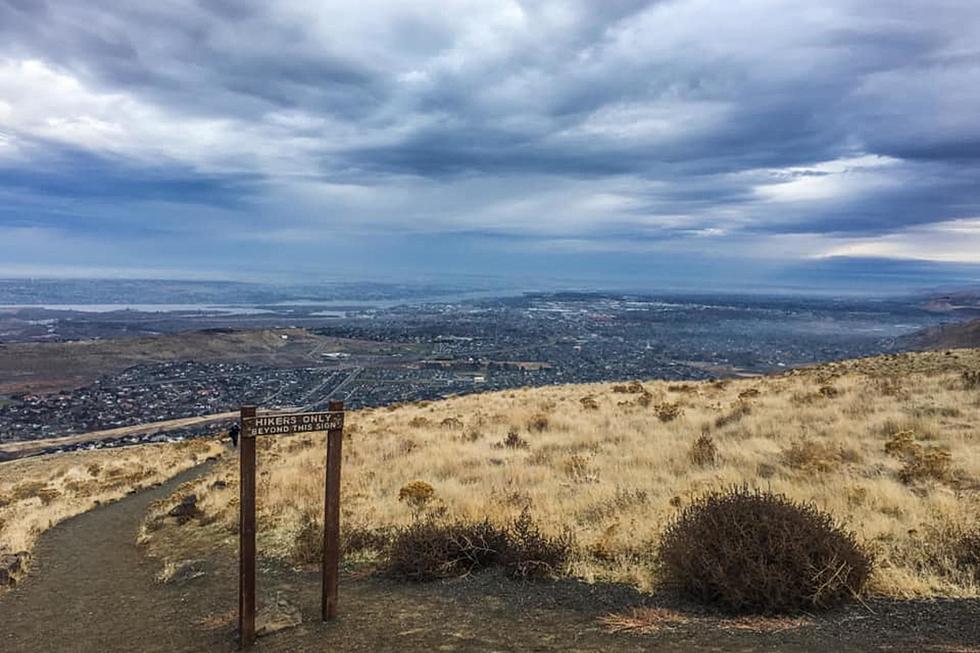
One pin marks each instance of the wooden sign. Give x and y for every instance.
(252, 426)
(288, 423)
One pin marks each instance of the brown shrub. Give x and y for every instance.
(901, 443)
(810, 456)
(576, 467)
(514, 440)
(749, 394)
(703, 452)
(739, 410)
(528, 553)
(633, 387)
(416, 494)
(828, 391)
(429, 550)
(971, 379)
(354, 539)
(27, 490)
(889, 386)
(589, 403)
(753, 551)
(926, 463)
(419, 422)
(921, 463)
(667, 411)
(538, 423)
(307, 546)
(645, 399)
(451, 423)
(432, 549)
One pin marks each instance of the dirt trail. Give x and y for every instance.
(92, 590)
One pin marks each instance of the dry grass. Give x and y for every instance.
(37, 493)
(614, 469)
(646, 621)
(643, 621)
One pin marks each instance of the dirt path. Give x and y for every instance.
(92, 590)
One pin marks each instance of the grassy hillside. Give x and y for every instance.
(888, 445)
(37, 493)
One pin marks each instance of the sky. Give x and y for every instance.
(674, 143)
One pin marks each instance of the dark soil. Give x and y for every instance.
(92, 589)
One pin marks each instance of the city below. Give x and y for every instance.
(71, 369)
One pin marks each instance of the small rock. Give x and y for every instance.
(182, 571)
(279, 615)
(11, 564)
(186, 510)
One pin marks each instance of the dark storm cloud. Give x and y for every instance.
(593, 120)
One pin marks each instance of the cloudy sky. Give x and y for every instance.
(671, 142)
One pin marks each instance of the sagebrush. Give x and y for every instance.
(752, 551)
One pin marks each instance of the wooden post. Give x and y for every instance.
(246, 534)
(331, 519)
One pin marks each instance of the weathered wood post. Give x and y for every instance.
(331, 514)
(246, 532)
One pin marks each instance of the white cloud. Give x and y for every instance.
(955, 241)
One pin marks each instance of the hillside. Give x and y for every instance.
(52, 366)
(950, 336)
(889, 445)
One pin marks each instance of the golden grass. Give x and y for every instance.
(616, 467)
(37, 493)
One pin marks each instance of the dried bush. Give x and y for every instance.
(739, 410)
(538, 423)
(514, 440)
(576, 467)
(927, 463)
(451, 423)
(667, 411)
(416, 494)
(921, 463)
(749, 394)
(645, 399)
(633, 387)
(901, 443)
(27, 490)
(307, 545)
(753, 551)
(828, 391)
(431, 549)
(354, 539)
(946, 549)
(528, 553)
(971, 379)
(811, 456)
(703, 452)
(889, 386)
(589, 403)
(419, 422)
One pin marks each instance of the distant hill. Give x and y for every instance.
(949, 336)
(53, 366)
